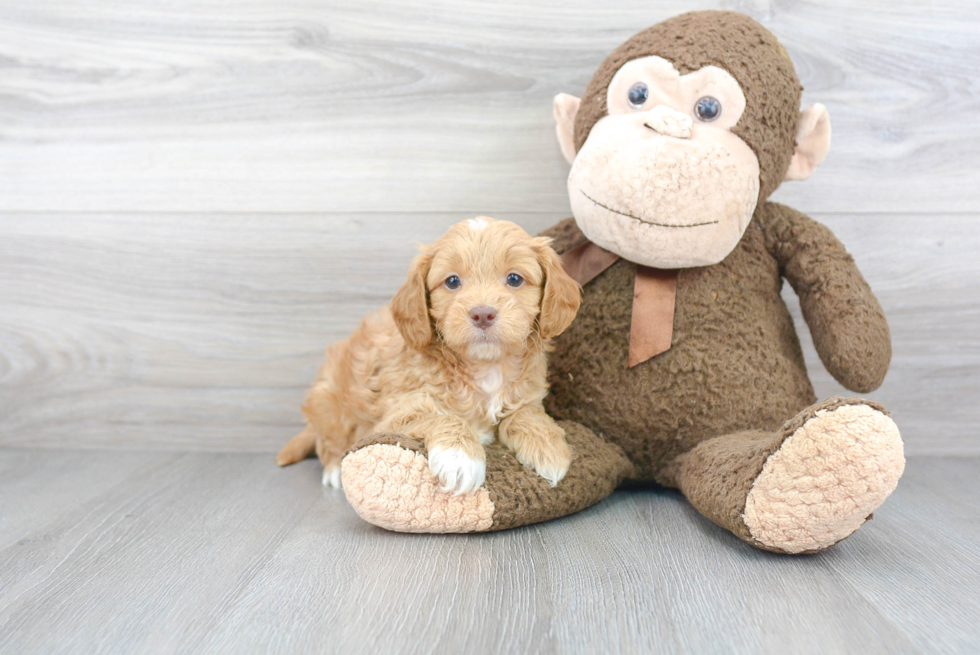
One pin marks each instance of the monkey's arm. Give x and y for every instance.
(847, 323)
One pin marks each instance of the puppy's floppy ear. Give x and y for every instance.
(562, 295)
(410, 306)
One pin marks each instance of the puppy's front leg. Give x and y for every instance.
(537, 442)
(455, 454)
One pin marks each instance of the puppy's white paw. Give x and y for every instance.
(331, 476)
(457, 471)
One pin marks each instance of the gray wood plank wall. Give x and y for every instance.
(196, 197)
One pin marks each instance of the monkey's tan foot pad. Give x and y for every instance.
(841, 462)
(388, 482)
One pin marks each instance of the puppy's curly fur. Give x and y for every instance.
(457, 359)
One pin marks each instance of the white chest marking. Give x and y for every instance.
(492, 384)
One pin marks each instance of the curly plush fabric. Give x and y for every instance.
(708, 414)
(846, 321)
(389, 484)
(802, 487)
(733, 343)
(737, 44)
(826, 479)
(521, 498)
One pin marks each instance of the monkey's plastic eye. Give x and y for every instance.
(514, 280)
(453, 282)
(707, 109)
(638, 95)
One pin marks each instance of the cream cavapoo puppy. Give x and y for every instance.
(457, 359)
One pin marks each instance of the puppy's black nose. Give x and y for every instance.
(483, 316)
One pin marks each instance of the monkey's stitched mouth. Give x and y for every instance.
(637, 218)
(664, 134)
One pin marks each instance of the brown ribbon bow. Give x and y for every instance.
(654, 293)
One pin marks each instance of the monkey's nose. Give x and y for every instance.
(668, 122)
(483, 316)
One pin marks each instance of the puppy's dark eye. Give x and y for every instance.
(514, 280)
(638, 94)
(453, 282)
(707, 109)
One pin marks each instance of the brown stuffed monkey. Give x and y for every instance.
(683, 367)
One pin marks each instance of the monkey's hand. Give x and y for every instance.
(847, 323)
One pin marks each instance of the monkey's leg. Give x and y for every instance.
(802, 488)
(388, 482)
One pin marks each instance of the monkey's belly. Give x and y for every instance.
(734, 364)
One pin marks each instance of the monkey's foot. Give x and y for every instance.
(826, 478)
(389, 483)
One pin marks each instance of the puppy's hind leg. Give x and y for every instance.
(308, 442)
(330, 451)
(299, 447)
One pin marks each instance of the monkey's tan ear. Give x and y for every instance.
(812, 142)
(562, 295)
(410, 306)
(566, 107)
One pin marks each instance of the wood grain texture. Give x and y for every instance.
(197, 196)
(938, 519)
(37, 486)
(226, 553)
(433, 105)
(203, 331)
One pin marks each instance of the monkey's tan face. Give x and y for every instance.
(662, 180)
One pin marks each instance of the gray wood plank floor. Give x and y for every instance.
(109, 552)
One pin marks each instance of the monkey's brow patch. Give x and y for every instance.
(645, 222)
